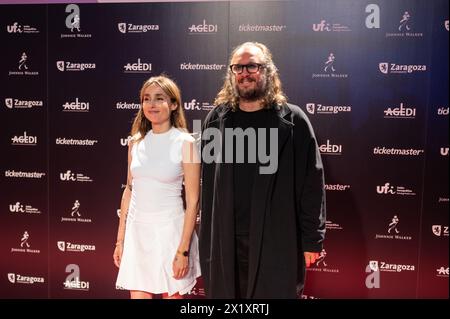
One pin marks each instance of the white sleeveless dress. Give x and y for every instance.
(155, 218)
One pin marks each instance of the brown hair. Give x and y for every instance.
(141, 124)
(274, 93)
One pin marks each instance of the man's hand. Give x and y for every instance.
(310, 258)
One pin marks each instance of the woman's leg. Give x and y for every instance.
(136, 294)
(174, 296)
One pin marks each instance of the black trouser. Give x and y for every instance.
(241, 266)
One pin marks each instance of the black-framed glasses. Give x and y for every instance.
(251, 68)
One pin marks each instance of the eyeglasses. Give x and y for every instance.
(251, 68)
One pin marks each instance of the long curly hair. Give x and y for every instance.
(141, 124)
(274, 94)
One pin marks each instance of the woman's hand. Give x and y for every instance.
(117, 256)
(180, 266)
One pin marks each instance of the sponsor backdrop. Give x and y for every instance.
(371, 75)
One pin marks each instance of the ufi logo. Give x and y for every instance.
(67, 176)
(15, 28)
(16, 208)
(386, 189)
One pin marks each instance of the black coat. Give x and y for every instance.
(287, 212)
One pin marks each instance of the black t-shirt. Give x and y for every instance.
(244, 172)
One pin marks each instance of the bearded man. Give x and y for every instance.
(259, 227)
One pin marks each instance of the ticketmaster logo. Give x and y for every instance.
(203, 67)
(71, 141)
(127, 106)
(21, 174)
(336, 187)
(261, 28)
(381, 150)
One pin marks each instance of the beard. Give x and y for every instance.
(252, 94)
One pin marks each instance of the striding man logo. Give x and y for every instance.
(404, 22)
(393, 225)
(329, 63)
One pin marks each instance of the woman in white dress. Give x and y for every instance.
(157, 247)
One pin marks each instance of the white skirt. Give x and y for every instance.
(150, 246)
